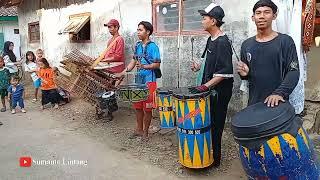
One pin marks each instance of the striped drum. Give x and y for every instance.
(273, 145)
(194, 128)
(283, 156)
(166, 108)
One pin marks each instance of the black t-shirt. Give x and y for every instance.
(273, 67)
(219, 60)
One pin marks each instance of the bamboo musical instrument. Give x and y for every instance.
(102, 55)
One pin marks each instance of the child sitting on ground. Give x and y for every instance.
(16, 94)
(32, 68)
(4, 84)
(48, 86)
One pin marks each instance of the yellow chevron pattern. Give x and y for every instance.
(274, 144)
(194, 150)
(196, 161)
(167, 118)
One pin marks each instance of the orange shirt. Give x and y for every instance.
(117, 52)
(47, 78)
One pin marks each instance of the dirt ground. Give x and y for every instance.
(161, 150)
(77, 119)
(72, 130)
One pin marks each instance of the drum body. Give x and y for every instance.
(194, 128)
(133, 92)
(166, 107)
(107, 101)
(283, 156)
(273, 144)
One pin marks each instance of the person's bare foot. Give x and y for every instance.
(136, 134)
(145, 136)
(56, 106)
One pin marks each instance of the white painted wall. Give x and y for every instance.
(8, 30)
(129, 14)
(175, 56)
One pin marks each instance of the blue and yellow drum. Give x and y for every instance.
(274, 145)
(194, 128)
(166, 107)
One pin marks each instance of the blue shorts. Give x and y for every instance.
(37, 83)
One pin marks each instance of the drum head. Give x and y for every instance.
(107, 95)
(184, 93)
(258, 119)
(166, 90)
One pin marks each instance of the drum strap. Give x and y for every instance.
(194, 131)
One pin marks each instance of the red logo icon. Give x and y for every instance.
(25, 161)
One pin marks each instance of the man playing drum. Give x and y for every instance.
(217, 73)
(268, 60)
(146, 59)
(116, 52)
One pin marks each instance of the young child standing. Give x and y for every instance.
(39, 54)
(32, 68)
(16, 94)
(4, 84)
(48, 86)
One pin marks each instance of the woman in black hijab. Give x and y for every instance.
(7, 50)
(9, 58)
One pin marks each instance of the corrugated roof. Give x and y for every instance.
(8, 3)
(10, 11)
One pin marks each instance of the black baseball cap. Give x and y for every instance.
(213, 10)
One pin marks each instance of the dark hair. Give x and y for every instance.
(219, 23)
(45, 62)
(147, 25)
(267, 3)
(15, 77)
(33, 57)
(8, 52)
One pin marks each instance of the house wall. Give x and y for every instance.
(7, 28)
(175, 50)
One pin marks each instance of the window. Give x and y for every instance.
(16, 31)
(78, 28)
(34, 32)
(166, 16)
(191, 17)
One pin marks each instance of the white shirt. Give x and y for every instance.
(31, 67)
(10, 65)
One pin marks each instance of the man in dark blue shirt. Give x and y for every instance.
(268, 60)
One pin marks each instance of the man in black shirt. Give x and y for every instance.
(218, 73)
(268, 60)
